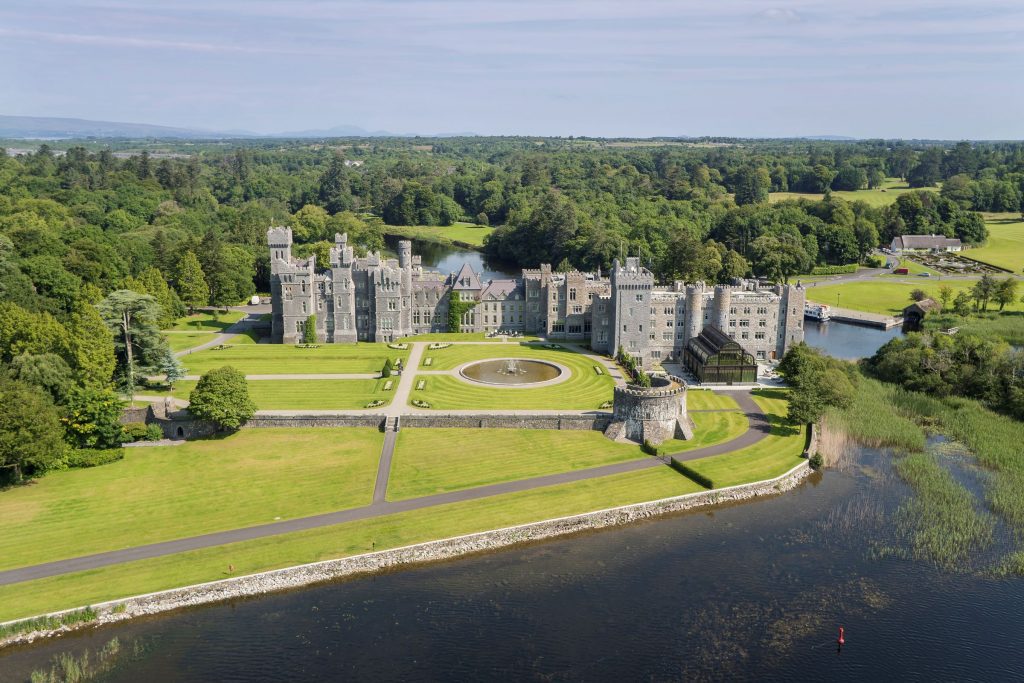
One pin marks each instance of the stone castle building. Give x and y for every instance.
(374, 298)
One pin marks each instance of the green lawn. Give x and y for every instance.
(431, 461)
(584, 390)
(886, 297)
(708, 429)
(90, 587)
(770, 457)
(704, 399)
(308, 394)
(208, 322)
(248, 337)
(161, 493)
(1005, 246)
(179, 341)
(280, 359)
(882, 196)
(462, 233)
(913, 268)
(460, 337)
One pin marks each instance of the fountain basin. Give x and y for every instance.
(514, 372)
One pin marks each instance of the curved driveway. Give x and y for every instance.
(758, 428)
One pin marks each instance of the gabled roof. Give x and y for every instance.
(466, 278)
(499, 289)
(925, 242)
(711, 341)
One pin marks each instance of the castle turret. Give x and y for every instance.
(720, 307)
(280, 242)
(693, 318)
(404, 254)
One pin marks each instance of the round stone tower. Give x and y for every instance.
(721, 306)
(655, 414)
(693, 318)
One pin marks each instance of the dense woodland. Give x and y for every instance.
(98, 251)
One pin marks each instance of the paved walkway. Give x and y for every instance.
(758, 429)
(243, 325)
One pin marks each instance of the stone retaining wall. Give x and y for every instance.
(597, 421)
(432, 551)
(315, 421)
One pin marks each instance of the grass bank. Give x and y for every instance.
(457, 234)
(1005, 245)
(281, 359)
(309, 394)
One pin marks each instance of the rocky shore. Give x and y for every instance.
(431, 551)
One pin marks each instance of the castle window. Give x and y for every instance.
(600, 307)
(303, 306)
(666, 336)
(639, 328)
(732, 311)
(745, 335)
(762, 323)
(763, 310)
(577, 309)
(652, 336)
(759, 335)
(392, 305)
(640, 298)
(746, 310)
(669, 311)
(668, 323)
(572, 294)
(744, 323)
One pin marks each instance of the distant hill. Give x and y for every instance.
(52, 127)
(829, 138)
(45, 127)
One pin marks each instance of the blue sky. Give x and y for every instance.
(866, 68)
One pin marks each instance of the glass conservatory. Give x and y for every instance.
(714, 358)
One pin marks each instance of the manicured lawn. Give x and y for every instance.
(464, 233)
(773, 455)
(703, 399)
(308, 394)
(179, 341)
(460, 337)
(249, 337)
(208, 322)
(883, 196)
(1005, 246)
(708, 429)
(90, 587)
(584, 390)
(913, 268)
(431, 461)
(160, 493)
(280, 359)
(885, 296)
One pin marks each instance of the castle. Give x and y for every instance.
(380, 299)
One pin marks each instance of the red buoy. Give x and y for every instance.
(841, 640)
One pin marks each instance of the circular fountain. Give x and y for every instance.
(513, 371)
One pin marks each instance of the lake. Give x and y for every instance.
(747, 591)
(445, 259)
(845, 340)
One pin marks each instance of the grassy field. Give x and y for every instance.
(457, 233)
(208, 322)
(773, 455)
(162, 493)
(179, 341)
(913, 268)
(308, 394)
(882, 196)
(1005, 246)
(281, 359)
(584, 390)
(703, 399)
(885, 296)
(342, 540)
(431, 461)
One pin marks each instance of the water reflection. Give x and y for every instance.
(446, 259)
(846, 341)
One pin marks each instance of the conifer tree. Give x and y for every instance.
(191, 282)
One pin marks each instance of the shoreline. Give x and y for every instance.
(305, 575)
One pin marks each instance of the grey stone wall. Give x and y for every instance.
(596, 421)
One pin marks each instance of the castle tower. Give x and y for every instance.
(720, 307)
(280, 242)
(693, 318)
(404, 254)
(631, 306)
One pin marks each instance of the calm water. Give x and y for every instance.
(846, 341)
(450, 259)
(752, 591)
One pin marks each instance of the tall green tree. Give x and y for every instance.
(31, 435)
(93, 417)
(132, 318)
(192, 287)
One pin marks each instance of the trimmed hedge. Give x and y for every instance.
(135, 431)
(94, 457)
(834, 270)
(692, 474)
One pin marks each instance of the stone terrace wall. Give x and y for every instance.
(315, 421)
(597, 421)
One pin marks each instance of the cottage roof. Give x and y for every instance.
(925, 242)
(922, 307)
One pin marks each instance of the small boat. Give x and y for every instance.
(819, 312)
